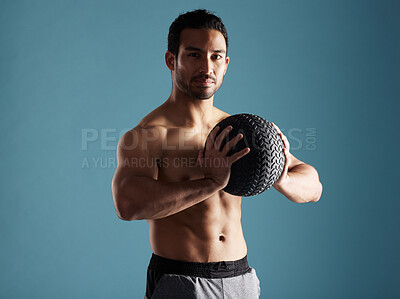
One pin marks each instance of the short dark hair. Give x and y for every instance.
(196, 19)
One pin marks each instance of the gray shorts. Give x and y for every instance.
(168, 278)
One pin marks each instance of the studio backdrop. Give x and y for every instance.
(76, 75)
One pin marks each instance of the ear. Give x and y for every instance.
(226, 64)
(170, 60)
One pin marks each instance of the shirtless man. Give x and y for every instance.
(162, 176)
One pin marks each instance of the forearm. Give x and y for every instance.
(145, 198)
(302, 185)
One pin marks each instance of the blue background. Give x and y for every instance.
(326, 72)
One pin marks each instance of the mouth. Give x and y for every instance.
(204, 82)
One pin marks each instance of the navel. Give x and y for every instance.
(222, 238)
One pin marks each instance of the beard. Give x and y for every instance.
(196, 92)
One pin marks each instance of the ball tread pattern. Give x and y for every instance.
(263, 165)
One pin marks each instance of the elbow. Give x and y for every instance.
(124, 214)
(310, 196)
(317, 194)
(121, 208)
(127, 209)
(130, 200)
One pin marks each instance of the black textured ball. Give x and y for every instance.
(263, 165)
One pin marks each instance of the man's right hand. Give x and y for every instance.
(215, 163)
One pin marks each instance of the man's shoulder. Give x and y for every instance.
(153, 123)
(155, 119)
(147, 135)
(221, 114)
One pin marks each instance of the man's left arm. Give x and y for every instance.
(299, 181)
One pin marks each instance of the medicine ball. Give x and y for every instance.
(263, 165)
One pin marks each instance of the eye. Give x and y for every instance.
(193, 55)
(217, 56)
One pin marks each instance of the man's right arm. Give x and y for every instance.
(145, 198)
(138, 194)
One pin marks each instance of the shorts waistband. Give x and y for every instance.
(220, 269)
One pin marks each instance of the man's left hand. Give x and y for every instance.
(284, 176)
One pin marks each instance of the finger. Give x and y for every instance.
(288, 160)
(211, 137)
(284, 139)
(276, 127)
(238, 155)
(201, 154)
(231, 143)
(222, 136)
(285, 142)
(200, 157)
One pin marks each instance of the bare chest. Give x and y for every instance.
(180, 150)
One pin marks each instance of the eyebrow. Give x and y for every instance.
(200, 50)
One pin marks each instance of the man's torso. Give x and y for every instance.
(208, 231)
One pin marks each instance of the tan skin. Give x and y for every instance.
(190, 217)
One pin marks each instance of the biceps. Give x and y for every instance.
(135, 168)
(124, 176)
(138, 166)
(294, 162)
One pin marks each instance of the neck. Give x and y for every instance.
(189, 111)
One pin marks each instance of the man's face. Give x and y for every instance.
(201, 63)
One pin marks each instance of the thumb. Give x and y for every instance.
(200, 157)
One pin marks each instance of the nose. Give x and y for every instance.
(206, 66)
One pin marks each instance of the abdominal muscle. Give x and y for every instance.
(209, 231)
